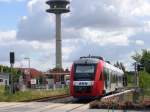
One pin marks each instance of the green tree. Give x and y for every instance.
(137, 57)
(143, 58)
(120, 65)
(1, 68)
(117, 64)
(14, 72)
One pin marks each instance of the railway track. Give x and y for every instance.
(46, 99)
(65, 102)
(66, 99)
(61, 103)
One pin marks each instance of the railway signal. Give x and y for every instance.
(12, 61)
(140, 67)
(12, 57)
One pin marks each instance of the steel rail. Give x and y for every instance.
(44, 99)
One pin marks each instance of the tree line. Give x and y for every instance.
(143, 58)
(14, 72)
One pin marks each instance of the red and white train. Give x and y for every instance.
(93, 77)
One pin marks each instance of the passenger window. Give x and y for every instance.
(105, 77)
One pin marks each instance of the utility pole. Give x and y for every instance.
(27, 58)
(135, 74)
(29, 71)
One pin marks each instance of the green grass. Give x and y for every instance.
(144, 79)
(144, 82)
(30, 94)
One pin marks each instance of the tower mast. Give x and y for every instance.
(58, 7)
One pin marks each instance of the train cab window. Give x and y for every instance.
(85, 69)
(84, 72)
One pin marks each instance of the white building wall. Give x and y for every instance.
(4, 79)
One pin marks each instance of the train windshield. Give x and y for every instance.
(85, 69)
(85, 72)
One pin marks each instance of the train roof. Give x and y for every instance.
(86, 61)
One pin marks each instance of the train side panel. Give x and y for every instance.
(99, 80)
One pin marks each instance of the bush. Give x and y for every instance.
(144, 79)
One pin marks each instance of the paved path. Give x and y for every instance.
(49, 107)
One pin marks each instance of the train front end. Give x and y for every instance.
(83, 78)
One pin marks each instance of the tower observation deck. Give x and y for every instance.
(58, 7)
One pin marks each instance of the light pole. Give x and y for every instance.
(27, 58)
(29, 72)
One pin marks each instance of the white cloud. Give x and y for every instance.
(142, 8)
(139, 42)
(37, 25)
(87, 28)
(103, 15)
(114, 38)
(35, 6)
(109, 28)
(7, 35)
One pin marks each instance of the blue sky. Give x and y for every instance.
(10, 13)
(113, 29)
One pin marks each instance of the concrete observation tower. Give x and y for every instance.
(58, 7)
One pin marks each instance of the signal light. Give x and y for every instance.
(140, 67)
(12, 57)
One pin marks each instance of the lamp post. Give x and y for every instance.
(27, 58)
(29, 72)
